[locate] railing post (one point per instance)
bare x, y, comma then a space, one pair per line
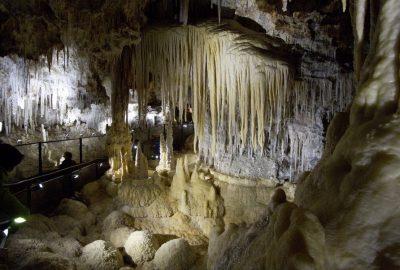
29, 196
40, 158
80, 150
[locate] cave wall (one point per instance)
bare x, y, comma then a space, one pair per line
345, 214
60, 92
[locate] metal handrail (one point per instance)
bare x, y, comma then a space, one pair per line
28, 183
53, 174
61, 140
40, 160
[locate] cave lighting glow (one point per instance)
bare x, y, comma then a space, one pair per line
19, 220
47, 92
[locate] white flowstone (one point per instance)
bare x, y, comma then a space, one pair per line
119, 236
174, 255
100, 255
115, 220
141, 246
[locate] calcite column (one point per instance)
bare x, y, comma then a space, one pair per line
118, 141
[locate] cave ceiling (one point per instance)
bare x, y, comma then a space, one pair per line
101, 28
98, 28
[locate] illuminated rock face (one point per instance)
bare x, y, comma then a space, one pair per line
195, 200
141, 246
348, 215
249, 109
39, 93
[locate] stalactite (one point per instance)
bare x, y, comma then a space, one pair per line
184, 12
358, 11
344, 5
29, 91
248, 96
284, 5
381, 65
219, 11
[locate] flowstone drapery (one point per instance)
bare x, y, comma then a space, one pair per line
346, 211
246, 97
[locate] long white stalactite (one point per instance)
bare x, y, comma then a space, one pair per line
50, 91
247, 95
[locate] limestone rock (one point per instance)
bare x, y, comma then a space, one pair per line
138, 193
115, 220
119, 236
65, 246
174, 255
76, 210
37, 224
141, 246
110, 187
158, 209
47, 261
21, 248
99, 255
91, 191
66, 225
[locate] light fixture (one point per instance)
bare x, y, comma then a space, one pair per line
19, 220
157, 157
81, 135
5, 232
19, 141
75, 176
135, 147
101, 165
41, 185
184, 125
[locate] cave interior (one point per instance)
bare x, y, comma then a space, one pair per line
206, 134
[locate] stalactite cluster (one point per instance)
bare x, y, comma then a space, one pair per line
210, 64
248, 95
51, 91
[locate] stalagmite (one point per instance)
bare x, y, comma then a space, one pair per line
140, 164
167, 162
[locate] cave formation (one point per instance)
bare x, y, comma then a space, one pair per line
239, 134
